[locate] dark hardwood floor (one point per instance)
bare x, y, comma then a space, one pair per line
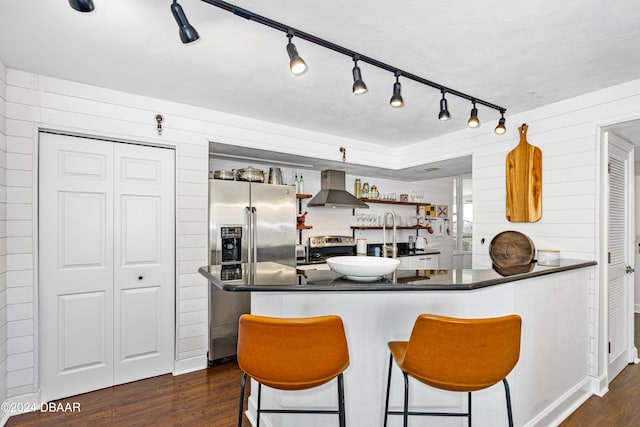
210, 398
204, 398
620, 407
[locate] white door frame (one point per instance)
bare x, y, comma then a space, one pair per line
600, 298
36, 236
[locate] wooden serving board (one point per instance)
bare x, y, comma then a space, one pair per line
524, 181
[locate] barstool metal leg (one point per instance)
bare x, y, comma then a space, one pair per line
259, 404
341, 411
508, 397
469, 405
242, 387
406, 400
386, 404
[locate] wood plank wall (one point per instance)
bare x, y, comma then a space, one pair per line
566, 132
40, 102
3, 235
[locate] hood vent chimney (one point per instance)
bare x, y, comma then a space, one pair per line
333, 194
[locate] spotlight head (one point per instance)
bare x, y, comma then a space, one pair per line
444, 109
296, 63
473, 121
500, 129
188, 34
359, 87
396, 99
82, 5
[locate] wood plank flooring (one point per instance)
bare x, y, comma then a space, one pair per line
204, 398
210, 398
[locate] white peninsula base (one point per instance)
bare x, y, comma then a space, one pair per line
549, 382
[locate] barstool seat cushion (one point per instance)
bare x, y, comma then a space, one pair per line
459, 354
292, 353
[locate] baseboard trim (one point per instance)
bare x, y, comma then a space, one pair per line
564, 406
191, 364
599, 385
19, 405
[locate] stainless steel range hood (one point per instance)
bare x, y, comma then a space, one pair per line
332, 193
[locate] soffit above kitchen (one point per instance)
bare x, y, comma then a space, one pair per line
520, 55
442, 169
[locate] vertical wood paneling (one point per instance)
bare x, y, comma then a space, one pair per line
3, 244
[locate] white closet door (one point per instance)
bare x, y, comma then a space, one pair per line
76, 265
143, 262
106, 298
620, 241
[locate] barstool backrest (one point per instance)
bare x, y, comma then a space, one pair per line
292, 353
462, 354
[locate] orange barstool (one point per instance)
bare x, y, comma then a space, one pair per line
292, 354
457, 355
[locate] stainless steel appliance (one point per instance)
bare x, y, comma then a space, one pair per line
323, 247
249, 222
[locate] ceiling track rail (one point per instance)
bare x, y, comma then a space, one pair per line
287, 29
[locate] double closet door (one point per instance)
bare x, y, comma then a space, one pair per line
106, 263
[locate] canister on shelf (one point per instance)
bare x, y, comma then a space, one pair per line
357, 190
364, 191
374, 192
548, 257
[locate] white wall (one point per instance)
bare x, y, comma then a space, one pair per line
34, 102
566, 132
3, 235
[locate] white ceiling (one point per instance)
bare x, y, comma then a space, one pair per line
515, 54
518, 55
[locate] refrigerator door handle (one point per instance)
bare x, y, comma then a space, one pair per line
253, 248
249, 223
254, 227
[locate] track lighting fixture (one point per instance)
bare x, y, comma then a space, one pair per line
444, 109
188, 34
82, 5
396, 99
473, 121
296, 63
500, 129
358, 84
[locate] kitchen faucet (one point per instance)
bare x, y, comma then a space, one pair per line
385, 250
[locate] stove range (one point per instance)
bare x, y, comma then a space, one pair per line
323, 247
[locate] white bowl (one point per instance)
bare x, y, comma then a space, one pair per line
362, 268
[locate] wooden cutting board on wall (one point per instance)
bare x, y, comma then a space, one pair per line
524, 181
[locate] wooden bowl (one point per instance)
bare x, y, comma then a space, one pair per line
511, 248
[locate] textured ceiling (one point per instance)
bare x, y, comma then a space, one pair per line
519, 55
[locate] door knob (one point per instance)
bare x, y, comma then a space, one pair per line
629, 269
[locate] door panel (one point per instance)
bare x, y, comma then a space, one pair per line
275, 210
141, 223
82, 328
76, 265
82, 229
144, 250
142, 336
107, 294
619, 281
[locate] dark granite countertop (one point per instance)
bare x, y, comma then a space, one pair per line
273, 277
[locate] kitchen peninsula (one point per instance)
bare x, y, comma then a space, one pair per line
550, 380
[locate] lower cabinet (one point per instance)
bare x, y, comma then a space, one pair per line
419, 262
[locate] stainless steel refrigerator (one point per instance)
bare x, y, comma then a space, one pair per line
249, 222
